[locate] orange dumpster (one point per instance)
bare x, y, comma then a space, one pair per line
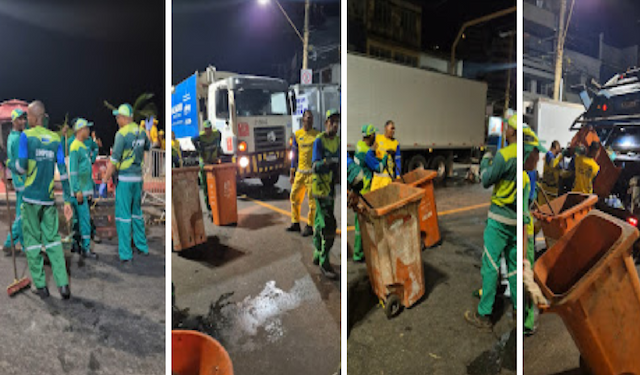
194, 353
221, 184
427, 212
392, 245
187, 223
591, 281
569, 209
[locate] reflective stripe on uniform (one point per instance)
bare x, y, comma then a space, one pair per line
137, 217
64, 177
53, 244
19, 168
34, 247
502, 219
306, 171
123, 220
39, 203
130, 178
493, 263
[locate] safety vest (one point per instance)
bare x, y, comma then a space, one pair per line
359, 158
528, 219
304, 142
209, 145
80, 169
13, 146
503, 200
386, 146
44, 151
323, 179
128, 152
586, 171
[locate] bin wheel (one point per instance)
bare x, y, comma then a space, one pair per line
269, 181
584, 367
392, 306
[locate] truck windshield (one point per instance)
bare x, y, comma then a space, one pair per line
260, 102
625, 139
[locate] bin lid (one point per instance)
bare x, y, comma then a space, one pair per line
418, 176
391, 198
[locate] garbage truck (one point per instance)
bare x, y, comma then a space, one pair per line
252, 114
439, 117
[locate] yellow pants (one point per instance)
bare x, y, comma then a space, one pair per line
302, 186
379, 182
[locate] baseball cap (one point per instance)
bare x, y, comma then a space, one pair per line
368, 130
513, 122
124, 110
81, 123
206, 124
17, 113
332, 112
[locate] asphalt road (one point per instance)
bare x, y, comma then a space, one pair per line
254, 288
432, 337
114, 322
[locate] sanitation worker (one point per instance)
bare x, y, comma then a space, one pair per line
80, 178
39, 152
326, 172
128, 153
176, 152
19, 120
207, 143
387, 146
586, 169
300, 174
551, 173
500, 233
360, 158
532, 151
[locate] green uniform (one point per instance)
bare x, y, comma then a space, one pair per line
40, 151
529, 308
326, 171
500, 233
93, 149
13, 144
81, 181
359, 158
207, 147
128, 154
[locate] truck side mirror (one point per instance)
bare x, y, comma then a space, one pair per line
293, 101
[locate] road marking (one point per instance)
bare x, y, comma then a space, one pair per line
276, 209
448, 212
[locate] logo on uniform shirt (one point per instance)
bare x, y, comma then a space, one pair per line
137, 143
44, 154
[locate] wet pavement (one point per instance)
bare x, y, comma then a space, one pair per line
254, 288
114, 322
432, 337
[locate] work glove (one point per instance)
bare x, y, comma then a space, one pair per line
103, 189
531, 287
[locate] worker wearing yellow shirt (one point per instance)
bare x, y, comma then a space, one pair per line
301, 172
387, 145
586, 169
551, 173
161, 139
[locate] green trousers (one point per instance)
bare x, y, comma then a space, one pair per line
129, 219
82, 224
324, 229
499, 240
203, 186
529, 308
358, 252
40, 229
16, 227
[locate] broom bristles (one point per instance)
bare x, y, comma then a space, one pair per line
17, 286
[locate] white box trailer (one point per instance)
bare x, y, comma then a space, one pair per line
551, 121
438, 116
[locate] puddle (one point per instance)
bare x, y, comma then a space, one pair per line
243, 325
502, 355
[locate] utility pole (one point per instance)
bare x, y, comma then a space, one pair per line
305, 42
560, 50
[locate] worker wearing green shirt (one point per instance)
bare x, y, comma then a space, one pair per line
360, 158
326, 171
80, 178
207, 143
500, 232
39, 153
19, 120
127, 157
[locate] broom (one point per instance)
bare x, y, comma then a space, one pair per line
18, 284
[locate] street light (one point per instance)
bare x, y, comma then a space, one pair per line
304, 39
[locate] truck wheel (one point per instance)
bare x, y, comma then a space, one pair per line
439, 164
416, 162
269, 181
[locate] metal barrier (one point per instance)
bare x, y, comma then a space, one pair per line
154, 164
153, 172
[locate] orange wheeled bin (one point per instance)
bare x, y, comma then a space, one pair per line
427, 212
392, 245
568, 210
221, 185
187, 223
194, 353
590, 279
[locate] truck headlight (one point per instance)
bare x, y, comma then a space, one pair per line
244, 162
290, 155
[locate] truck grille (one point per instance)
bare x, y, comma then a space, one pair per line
270, 139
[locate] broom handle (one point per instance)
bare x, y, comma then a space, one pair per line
546, 198
13, 248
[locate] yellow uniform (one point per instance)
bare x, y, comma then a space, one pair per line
153, 135
386, 146
586, 171
301, 162
551, 174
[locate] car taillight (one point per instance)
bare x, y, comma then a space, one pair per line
242, 146
604, 107
633, 221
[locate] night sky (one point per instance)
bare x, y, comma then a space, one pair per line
72, 55
239, 35
618, 19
